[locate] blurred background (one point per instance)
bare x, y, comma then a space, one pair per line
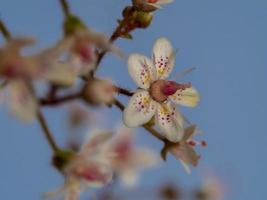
225, 40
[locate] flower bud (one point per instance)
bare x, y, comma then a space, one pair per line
143, 5
62, 158
127, 11
143, 19
72, 24
98, 92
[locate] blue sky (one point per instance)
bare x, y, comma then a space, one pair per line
225, 40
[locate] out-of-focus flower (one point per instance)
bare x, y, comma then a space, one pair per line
85, 47
150, 5
78, 116
89, 168
170, 192
157, 95
99, 92
20, 70
184, 150
128, 159
211, 189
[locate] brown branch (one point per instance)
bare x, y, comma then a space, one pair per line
124, 91
58, 100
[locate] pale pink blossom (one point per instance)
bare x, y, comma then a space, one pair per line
85, 46
157, 97
129, 159
89, 168
20, 71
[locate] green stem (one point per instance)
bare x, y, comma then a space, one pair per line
65, 7
4, 30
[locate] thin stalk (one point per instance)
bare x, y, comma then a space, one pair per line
46, 131
65, 7
4, 30
57, 100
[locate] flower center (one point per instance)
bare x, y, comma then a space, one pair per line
161, 89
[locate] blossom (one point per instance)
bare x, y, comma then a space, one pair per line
20, 71
211, 189
157, 97
150, 5
128, 160
85, 45
89, 168
184, 150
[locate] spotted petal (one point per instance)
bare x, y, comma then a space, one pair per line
140, 109
21, 102
141, 70
163, 57
187, 97
170, 122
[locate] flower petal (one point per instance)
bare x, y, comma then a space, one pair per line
129, 177
60, 73
96, 174
163, 57
95, 139
170, 122
21, 102
189, 132
185, 153
141, 70
186, 97
140, 109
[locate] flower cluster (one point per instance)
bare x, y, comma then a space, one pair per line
71, 65
99, 158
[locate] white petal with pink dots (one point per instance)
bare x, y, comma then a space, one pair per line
186, 97
141, 70
170, 122
140, 109
163, 58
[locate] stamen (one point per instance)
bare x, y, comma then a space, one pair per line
193, 143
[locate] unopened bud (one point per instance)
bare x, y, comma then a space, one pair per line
143, 19
127, 11
98, 92
72, 24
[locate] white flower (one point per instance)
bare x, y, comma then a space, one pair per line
20, 70
156, 96
89, 168
128, 159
